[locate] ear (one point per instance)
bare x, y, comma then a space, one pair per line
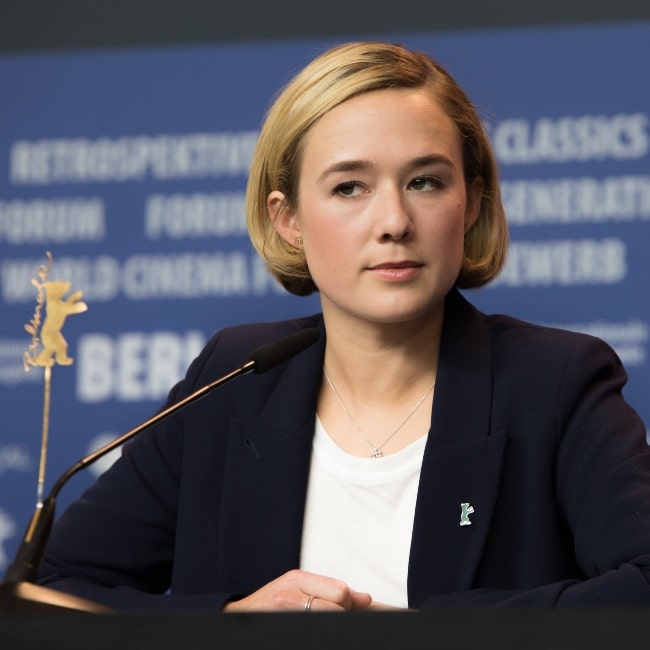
283, 218
474, 200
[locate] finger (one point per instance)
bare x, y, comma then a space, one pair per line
320, 605
360, 600
325, 588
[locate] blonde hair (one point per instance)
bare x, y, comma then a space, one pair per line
332, 78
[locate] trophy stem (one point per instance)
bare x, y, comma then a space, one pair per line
45, 434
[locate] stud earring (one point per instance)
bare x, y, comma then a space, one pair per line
299, 242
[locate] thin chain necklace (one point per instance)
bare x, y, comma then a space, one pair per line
375, 452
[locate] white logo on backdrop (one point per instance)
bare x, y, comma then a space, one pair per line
7, 531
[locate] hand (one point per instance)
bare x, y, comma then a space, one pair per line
291, 592
383, 607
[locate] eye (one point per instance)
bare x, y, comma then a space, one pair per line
348, 189
425, 183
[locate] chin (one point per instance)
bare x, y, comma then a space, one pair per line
404, 316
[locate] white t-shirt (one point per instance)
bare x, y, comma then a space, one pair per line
359, 517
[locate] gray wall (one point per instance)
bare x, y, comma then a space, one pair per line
27, 25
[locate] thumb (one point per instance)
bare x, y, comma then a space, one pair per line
359, 599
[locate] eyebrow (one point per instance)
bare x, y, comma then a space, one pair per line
356, 165
345, 166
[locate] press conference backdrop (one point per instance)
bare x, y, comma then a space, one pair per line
130, 166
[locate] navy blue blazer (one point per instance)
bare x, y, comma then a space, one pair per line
528, 426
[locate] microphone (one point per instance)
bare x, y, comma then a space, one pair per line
262, 359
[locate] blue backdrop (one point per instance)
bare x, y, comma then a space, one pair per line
130, 166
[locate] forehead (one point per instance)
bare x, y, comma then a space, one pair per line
392, 121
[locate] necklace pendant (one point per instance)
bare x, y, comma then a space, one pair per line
375, 453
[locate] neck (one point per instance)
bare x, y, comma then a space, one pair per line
382, 360
379, 392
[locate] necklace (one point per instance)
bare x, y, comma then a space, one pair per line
375, 452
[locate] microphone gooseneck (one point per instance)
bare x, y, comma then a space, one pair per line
262, 359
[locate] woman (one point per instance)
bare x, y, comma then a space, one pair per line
422, 453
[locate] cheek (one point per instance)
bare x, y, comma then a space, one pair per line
327, 230
319, 241
332, 250
447, 225
326, 251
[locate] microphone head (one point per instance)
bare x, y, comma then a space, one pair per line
270, 355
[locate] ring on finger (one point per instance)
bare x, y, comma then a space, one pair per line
308, 603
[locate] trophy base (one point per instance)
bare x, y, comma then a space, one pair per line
28, 597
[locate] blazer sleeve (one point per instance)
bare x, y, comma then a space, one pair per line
602, 490
115, 544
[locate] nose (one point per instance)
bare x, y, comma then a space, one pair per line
394, 221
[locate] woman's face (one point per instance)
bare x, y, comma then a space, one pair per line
382, 207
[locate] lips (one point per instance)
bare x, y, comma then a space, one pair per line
399, 271
405, 264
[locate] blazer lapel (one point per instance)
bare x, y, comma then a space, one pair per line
266, 477
462, 462
269, 457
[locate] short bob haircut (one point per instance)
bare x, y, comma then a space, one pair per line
332, 78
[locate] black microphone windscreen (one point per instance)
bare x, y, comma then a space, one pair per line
272, 354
